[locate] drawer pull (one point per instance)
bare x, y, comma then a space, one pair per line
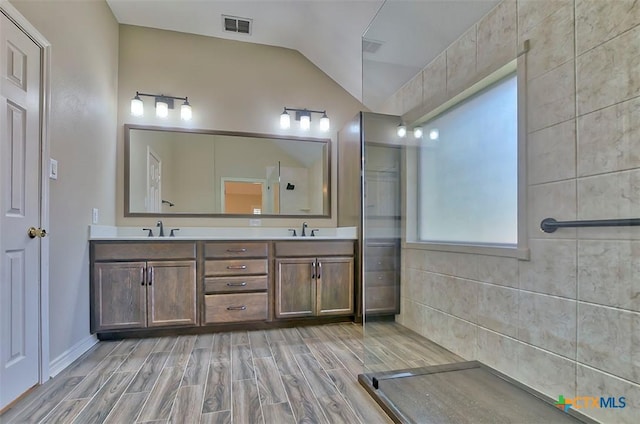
241, 250
244, 283
236, 308
236, 267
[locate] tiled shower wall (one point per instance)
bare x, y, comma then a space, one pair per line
567, 321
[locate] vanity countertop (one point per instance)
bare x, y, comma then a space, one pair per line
105, 232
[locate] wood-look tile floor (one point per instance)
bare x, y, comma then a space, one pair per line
291, 375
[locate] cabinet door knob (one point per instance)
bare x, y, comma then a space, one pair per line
319, 274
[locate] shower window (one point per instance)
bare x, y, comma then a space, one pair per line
467, 190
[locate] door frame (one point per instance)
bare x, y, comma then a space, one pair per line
45, 107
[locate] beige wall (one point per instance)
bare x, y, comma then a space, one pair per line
567, 321
84, 76
232, 86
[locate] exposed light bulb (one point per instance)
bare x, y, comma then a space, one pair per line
185, 111
162, 109
325, 124
417, 132
401, 131
137, 107
285, 120
434, 134
305, 122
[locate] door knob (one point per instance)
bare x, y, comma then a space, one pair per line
34, 232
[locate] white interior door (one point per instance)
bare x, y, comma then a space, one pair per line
19, 209
154, 181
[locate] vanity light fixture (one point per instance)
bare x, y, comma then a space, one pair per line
401, 130
434, 134
304, 116
163, 104
417, 132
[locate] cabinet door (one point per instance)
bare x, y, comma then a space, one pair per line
335, 286
171, 293
295, 287
119, 295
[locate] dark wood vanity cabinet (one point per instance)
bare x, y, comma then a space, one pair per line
142, 285
314, 278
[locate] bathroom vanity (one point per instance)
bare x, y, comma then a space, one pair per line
140, 285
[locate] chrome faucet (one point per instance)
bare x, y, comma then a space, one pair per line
159, 224
304, 226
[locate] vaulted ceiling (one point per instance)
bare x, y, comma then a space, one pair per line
327, 32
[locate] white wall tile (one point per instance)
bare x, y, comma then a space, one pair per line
552, 200
591, 382
552, 268
497, 37
609, 74
609, 196
546, 372
548, 322
498, 351
533, 12
498, 309
461, 62
608, 273
434, 80
551, 153
608, 340
608, 139
411, 94
497, 270
598, 21
551, 41
550, 97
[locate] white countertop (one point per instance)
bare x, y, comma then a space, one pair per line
105, 232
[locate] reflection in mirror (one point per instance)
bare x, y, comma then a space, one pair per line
184, 172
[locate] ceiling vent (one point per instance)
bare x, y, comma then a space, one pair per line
236, 24
371, 46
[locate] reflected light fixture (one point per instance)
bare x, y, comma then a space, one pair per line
304, 116
401, 130
417, 132
285, 120
163, 103
434, 134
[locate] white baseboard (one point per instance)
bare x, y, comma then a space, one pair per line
74, 352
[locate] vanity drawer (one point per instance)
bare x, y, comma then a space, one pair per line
220, 308
152, 250
314, 248
236, 267
379, 278
235, 284
379, 263
236, 250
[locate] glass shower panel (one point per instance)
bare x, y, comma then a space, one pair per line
381, 218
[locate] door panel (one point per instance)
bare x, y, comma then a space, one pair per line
295, 287
335, 286
171, 293
120, 295
19, 210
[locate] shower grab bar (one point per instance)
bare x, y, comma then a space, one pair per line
550, 225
